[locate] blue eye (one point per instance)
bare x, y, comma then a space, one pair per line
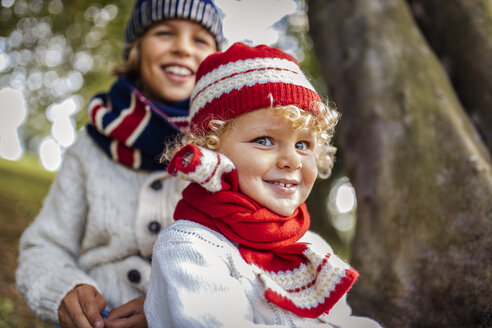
264, 141
302, 145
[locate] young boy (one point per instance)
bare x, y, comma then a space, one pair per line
240, 253
89, 248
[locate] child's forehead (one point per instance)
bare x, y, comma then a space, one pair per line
263, 117
268, 120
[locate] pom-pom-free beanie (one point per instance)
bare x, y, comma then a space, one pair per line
148, 12
244, 79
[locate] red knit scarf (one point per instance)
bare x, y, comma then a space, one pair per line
294, 276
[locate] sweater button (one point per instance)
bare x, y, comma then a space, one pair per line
156, 185
154, 227
134, 276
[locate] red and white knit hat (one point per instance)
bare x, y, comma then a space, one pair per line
244, 79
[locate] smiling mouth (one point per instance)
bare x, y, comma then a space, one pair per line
178, 70
281, 184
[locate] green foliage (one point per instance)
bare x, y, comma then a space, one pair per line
56, 49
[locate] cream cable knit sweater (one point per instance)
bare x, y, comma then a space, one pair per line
199, 279
97, 226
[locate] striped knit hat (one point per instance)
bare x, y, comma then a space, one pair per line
148, 12
244, 79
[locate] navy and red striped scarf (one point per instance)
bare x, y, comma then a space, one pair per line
132, 129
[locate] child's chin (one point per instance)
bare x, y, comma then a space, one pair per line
284, 212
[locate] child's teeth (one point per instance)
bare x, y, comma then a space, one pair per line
286, 185
178, 70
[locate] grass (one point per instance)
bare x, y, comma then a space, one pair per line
23, 186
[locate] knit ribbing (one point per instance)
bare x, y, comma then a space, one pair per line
243, 79
148, 12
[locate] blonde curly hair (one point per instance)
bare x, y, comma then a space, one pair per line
321, 124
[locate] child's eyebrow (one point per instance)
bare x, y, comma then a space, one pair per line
307, 132
265, 131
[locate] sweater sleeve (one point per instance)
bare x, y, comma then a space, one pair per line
49, 247
191, 285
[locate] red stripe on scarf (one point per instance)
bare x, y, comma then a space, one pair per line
130, 122
93, 112
125, 154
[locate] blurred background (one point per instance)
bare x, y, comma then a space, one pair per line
55, 55
412, 79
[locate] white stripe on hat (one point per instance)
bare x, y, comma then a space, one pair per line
240, 66
159, 9
207, 15
179, 12
154, 10
241, 80
186, 8
199, 14
166, 8
215, 24
194, 9
236, 75
173, 8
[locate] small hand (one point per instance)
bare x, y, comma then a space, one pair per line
129, 315
81, 308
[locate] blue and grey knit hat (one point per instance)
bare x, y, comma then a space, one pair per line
148, 12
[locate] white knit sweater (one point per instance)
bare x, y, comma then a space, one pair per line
199, 279
97, 226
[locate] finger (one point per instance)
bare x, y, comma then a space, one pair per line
123, 311
92, 304
64, 319
76, 316
128, 309
70, 313
135, 321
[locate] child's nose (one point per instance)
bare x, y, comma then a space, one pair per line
289, 159
182, 45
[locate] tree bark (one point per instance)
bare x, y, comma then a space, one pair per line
460, 32
422, 174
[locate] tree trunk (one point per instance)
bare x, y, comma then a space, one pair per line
422, 174
460, 32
